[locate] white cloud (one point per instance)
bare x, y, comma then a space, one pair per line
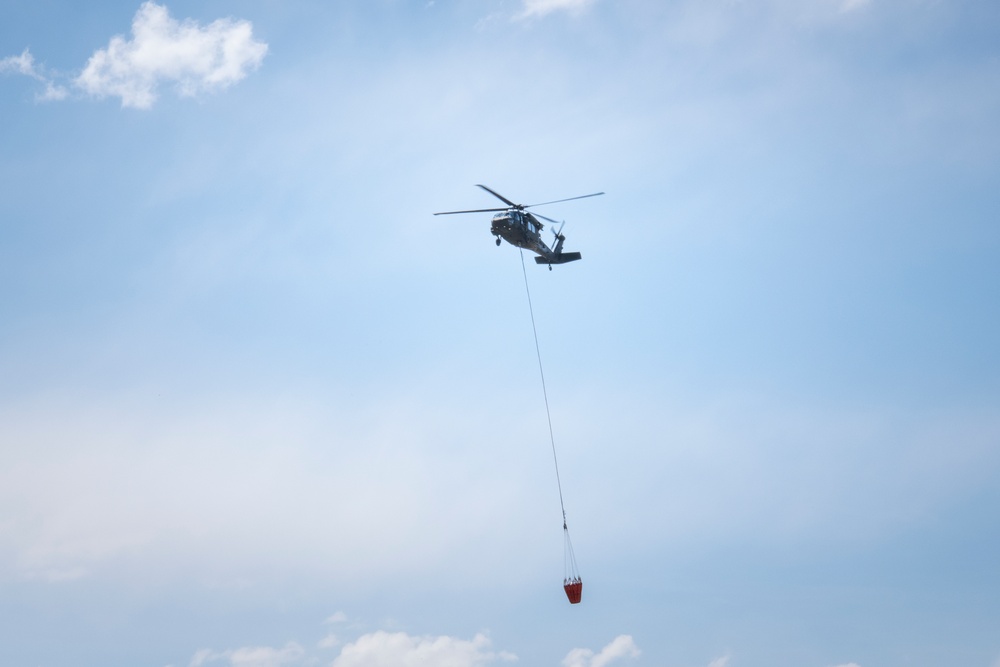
543, 7
251, 656
25, 64
719, 662
621, 646
194, 58
398, 649
850, 664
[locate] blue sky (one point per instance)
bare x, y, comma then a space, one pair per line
258, 407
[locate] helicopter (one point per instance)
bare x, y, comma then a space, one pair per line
523, 229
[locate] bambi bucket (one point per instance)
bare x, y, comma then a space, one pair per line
574, 590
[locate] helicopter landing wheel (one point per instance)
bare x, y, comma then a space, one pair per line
498, 240
550, 267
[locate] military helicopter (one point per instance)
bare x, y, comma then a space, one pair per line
523, 229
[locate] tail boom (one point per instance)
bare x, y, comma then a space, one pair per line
560, 258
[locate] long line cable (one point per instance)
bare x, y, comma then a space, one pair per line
545, 395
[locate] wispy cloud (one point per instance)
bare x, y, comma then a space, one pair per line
539, 8
335, 618
22, 64
720, 662
331, 640
851, 5
25, 64
194, 58
621, 646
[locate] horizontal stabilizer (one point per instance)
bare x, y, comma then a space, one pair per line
561, 258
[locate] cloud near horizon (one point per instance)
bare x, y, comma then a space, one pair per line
388, 649
622, 646
375, 649
381, 648
252, 656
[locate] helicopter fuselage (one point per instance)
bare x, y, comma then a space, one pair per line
519, 229
523, 230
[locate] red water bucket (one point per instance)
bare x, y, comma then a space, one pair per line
574, 589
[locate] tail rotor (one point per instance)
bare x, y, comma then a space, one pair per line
559, 238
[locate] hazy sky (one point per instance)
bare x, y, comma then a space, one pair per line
260, 408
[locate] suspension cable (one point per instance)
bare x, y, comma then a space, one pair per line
545, 395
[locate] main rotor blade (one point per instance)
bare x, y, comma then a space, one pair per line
539, 215
499, 196
560, 200
478, 210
